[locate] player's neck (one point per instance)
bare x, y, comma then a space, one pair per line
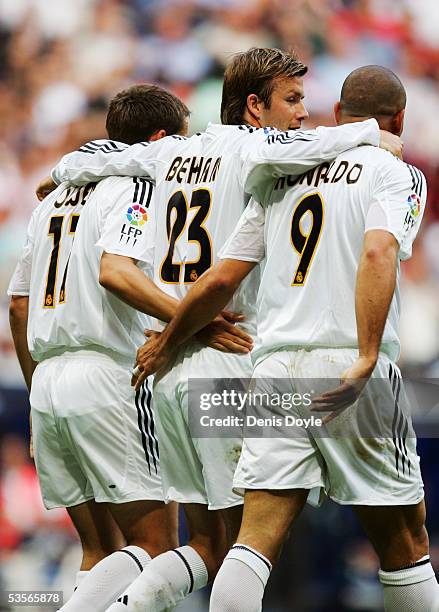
248, 119
347, 119
383, 123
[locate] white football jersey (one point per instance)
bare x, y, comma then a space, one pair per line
309, 234
201, 185
60, 262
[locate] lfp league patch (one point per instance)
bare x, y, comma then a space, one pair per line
414, 203
136, 215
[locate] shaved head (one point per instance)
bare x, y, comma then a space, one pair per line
372, 91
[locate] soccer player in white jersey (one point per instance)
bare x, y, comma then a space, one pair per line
201, 184
331, 242
94, 441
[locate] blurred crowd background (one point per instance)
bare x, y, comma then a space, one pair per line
60, 63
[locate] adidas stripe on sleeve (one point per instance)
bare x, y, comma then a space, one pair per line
129, 226
398, 204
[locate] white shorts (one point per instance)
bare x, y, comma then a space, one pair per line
93, 435
348, 467
196, 470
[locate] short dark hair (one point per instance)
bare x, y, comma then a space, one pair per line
372, 91
254, 72
136, 113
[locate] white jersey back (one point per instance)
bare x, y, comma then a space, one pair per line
201, 185
311, 231
59, 268
202, 198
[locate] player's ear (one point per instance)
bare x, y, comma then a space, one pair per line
398, 122
255, 108
157, 135
337, 113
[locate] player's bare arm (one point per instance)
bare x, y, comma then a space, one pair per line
202, 304
299, 152
120, 275
375, 286
18, 313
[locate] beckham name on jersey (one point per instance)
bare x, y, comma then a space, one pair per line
325, 173
194, 169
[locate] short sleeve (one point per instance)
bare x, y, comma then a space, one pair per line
20, 281
398, 204
129, 227
247, 241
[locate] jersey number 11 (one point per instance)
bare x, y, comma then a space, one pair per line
55, 230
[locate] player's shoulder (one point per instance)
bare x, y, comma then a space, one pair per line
112, 189
386, 166
110, 183
104, 145
51, 205
53, 199
396, 172
417, 178
113, 184
374, 157
237, 136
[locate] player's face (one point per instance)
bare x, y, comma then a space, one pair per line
287, 110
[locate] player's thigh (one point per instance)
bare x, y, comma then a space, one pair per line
62, 480
397, 533
111, 429
181, 470
267, 518
369, 448
219, 456
152, 525
287, 461
97, 529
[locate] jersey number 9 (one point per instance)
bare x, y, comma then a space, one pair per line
305, 244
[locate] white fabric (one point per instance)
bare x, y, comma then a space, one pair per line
107, 580
255, 150
340, 461
168, 579
410, 590
410, 575
196, 470
84, 314
80, 575
93, 435
201, 181
252, 557
240, 583
362, 190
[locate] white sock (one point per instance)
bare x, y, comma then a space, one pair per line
414, 589
168, 579
80, 577
107, 580
240, 582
